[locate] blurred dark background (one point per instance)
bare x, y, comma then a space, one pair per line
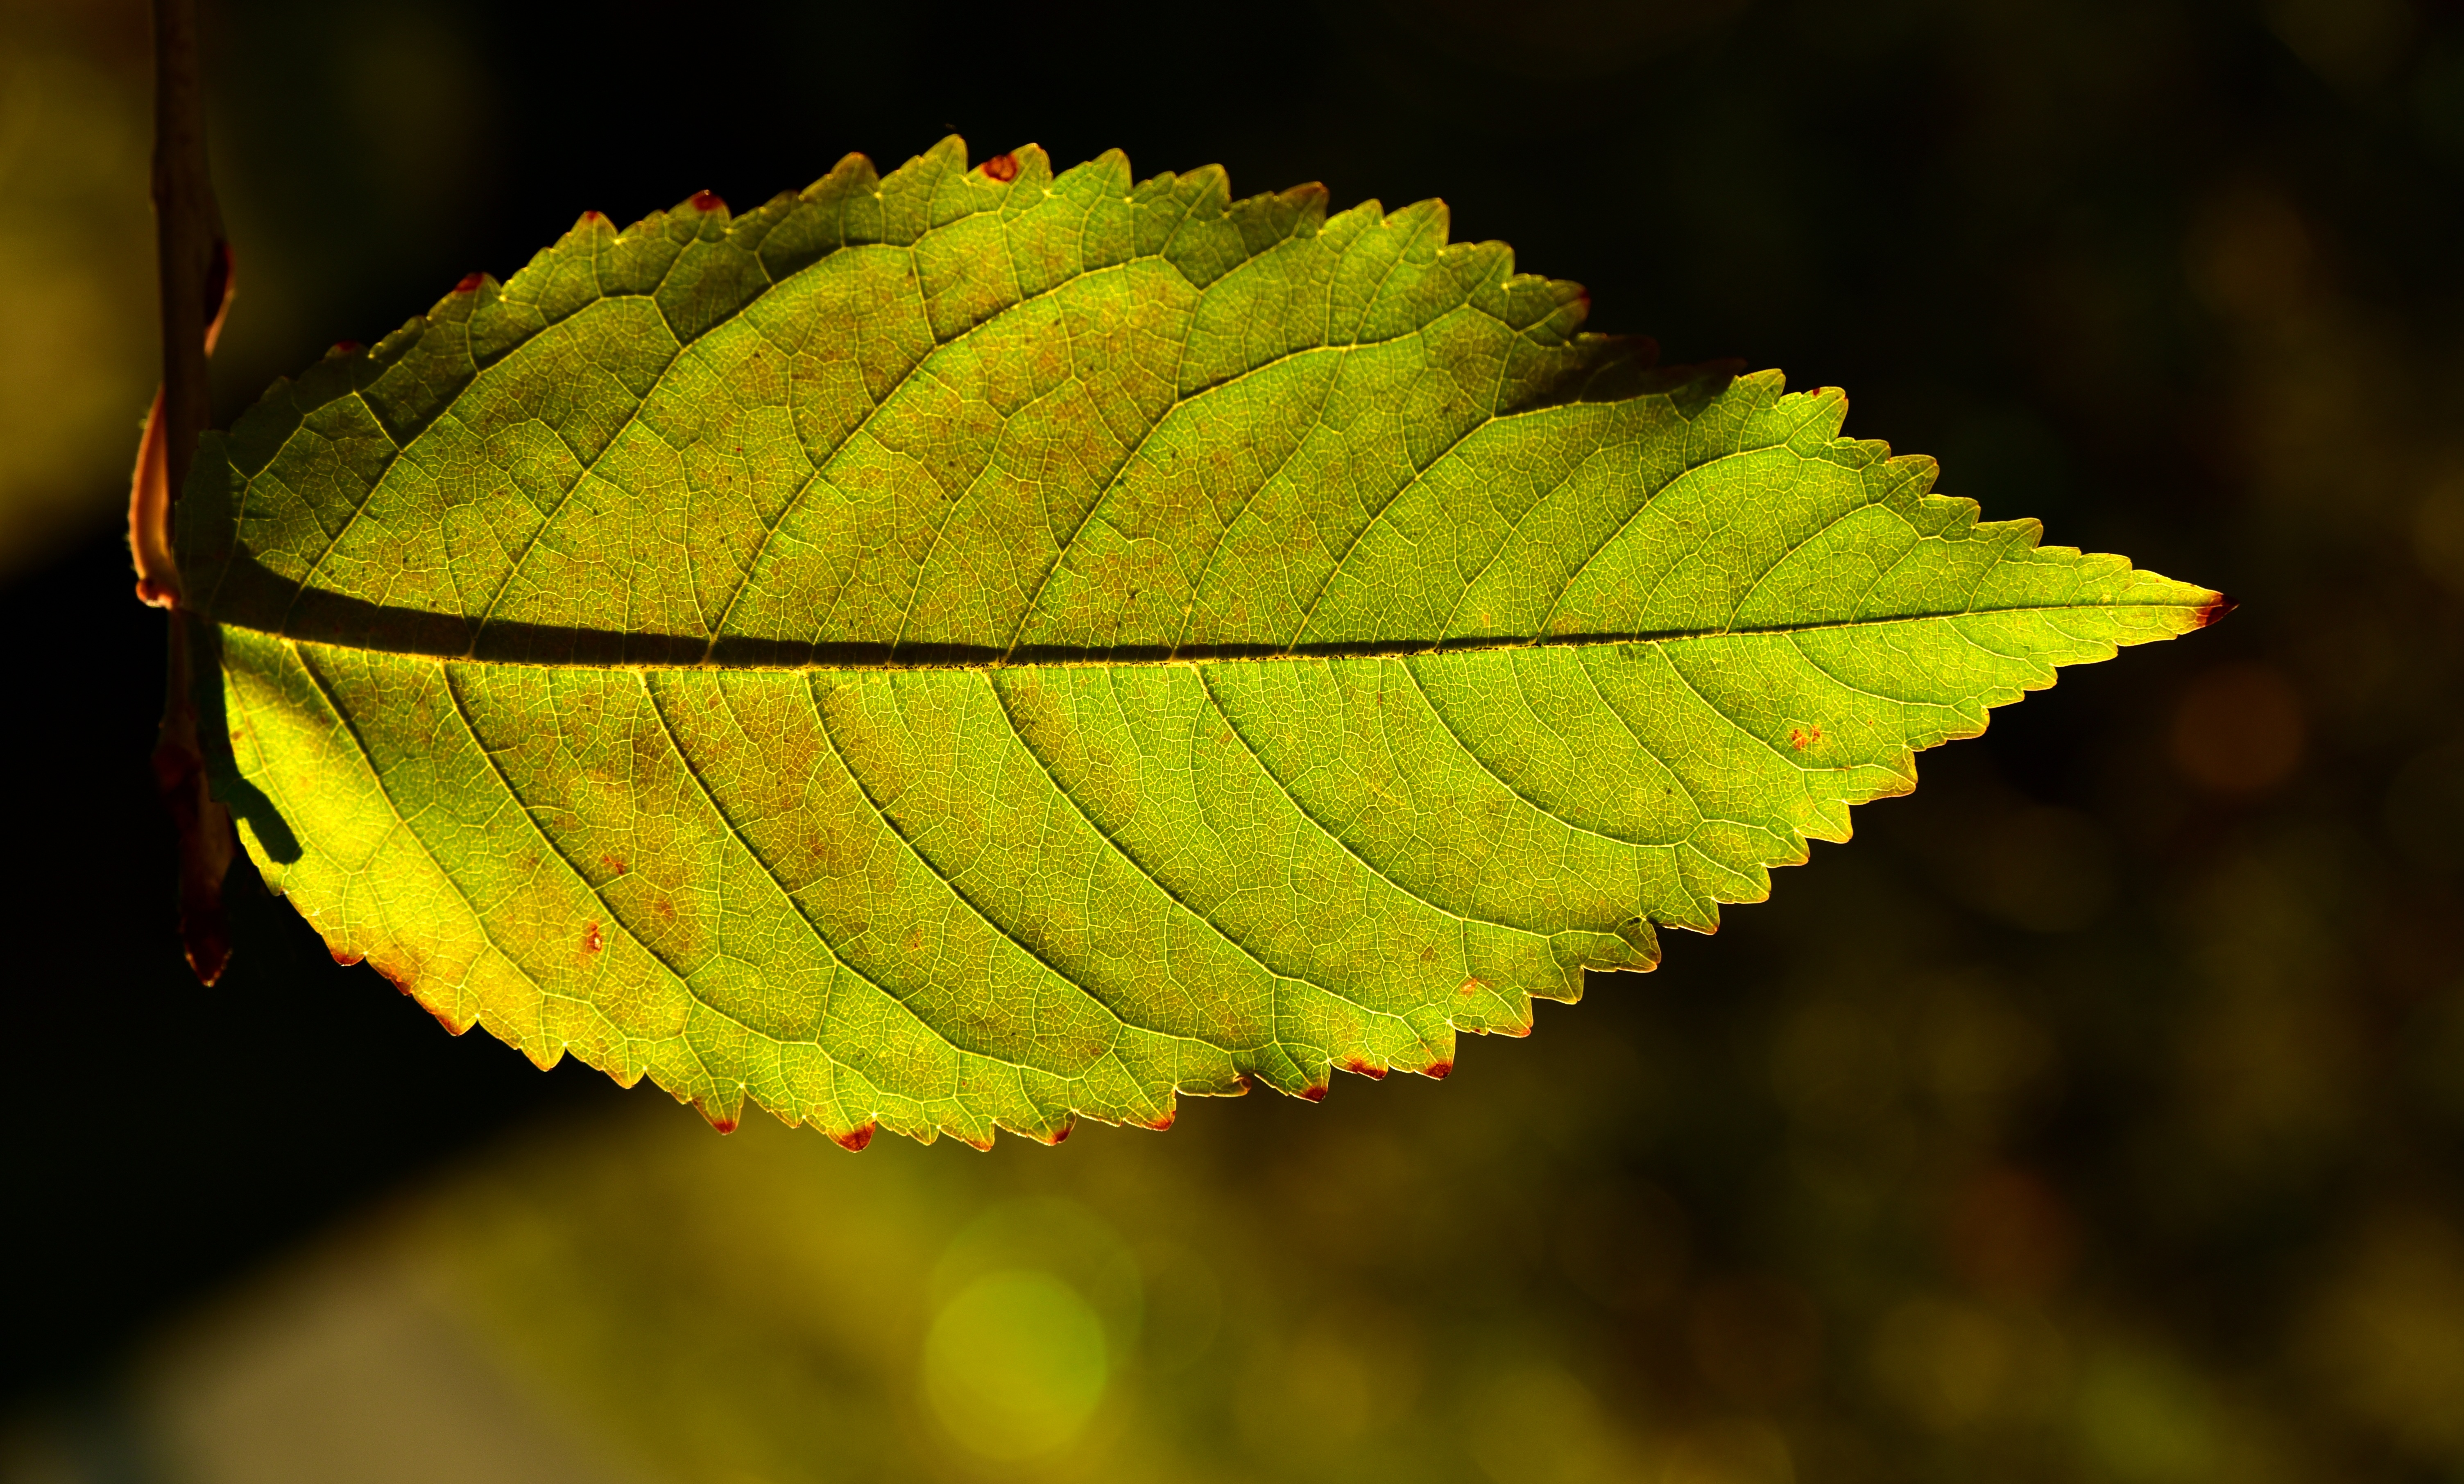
2098, 1113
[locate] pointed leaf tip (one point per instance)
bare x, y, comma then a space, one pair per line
470, 283
1000, 168
854, 1139
2214, 608
706, 201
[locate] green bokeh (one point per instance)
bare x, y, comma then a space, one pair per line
1015, 1363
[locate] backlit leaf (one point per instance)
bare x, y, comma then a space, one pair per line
971, 648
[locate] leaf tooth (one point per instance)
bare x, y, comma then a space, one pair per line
1112, 167
1212, 184
723, 1112
949, 154
855, 1138
854, 174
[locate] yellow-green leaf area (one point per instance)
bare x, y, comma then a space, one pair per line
976, 648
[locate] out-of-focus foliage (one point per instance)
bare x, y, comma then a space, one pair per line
78, 328
77, 284
1408, 1295
2097, 1117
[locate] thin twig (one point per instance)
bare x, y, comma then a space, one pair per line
195, 277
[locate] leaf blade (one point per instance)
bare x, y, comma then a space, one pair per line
946, 686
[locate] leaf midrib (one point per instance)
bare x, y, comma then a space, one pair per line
995, 657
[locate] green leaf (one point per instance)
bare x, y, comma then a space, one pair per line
969, 649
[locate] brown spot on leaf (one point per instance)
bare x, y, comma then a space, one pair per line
346, 957
1438, 1070
1313, 1094
1002, 168
854, 1139
593, 217
615, 864
1429, 952
345, 348
590, 939
725, 1126
470, 283
1471, 986
708, 200
2212, 609
1375, 1074
1162, 1121
1805, 738
1061, 1133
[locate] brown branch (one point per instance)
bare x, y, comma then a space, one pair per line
193, 275
194, 265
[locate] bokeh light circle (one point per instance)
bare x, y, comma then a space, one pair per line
1015, 1363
